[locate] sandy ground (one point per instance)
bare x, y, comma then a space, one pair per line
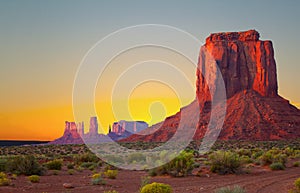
261, 180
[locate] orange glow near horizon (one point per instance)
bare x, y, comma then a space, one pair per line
35, 124
43, 45
144, 99
138, 107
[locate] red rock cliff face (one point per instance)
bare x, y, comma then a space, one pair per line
246, 63
254, 111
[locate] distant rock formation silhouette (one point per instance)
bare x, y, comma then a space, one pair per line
74, 133
123, 129
130, 126
255, 111
71, 134
93, 126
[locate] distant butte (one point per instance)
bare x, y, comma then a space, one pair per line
75, 133
255, 111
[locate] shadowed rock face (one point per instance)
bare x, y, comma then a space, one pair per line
255, 111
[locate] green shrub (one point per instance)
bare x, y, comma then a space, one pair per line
55, 172
289, 151
180, 166
244, 152
296, 189
235, 189
79, 168
92, 167
296, 164
111, 174
99, 163
71, 171
257, 154
3, 163
97, 179
224, 162
153, 172
273, 156
34, 178
297, 184
144, 181
157, 188
54, 164
111, 191
136, 157
89, 165
277, 166
97, 175
297, 153
4, 181
266, 158
114, 159
70, 166
14, 176
282, 158
246, 160
87, 157
24, 165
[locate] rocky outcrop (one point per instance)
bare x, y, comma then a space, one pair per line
250, 35
74, 133
123, 129
246, 63
93, 126
118, 136
93, 136
70, 136
250, 116
255, 111
131, 126
80, 128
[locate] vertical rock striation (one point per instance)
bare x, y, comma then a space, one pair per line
246, 63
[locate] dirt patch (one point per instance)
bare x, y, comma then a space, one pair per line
129, 182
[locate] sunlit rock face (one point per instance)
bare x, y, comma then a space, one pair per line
246, 63
255, 111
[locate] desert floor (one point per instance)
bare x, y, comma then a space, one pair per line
261, 180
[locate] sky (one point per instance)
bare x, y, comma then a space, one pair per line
43, 42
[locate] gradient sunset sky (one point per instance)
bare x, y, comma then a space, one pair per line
43, 42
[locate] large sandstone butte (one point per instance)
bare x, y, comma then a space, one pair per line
255, 111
